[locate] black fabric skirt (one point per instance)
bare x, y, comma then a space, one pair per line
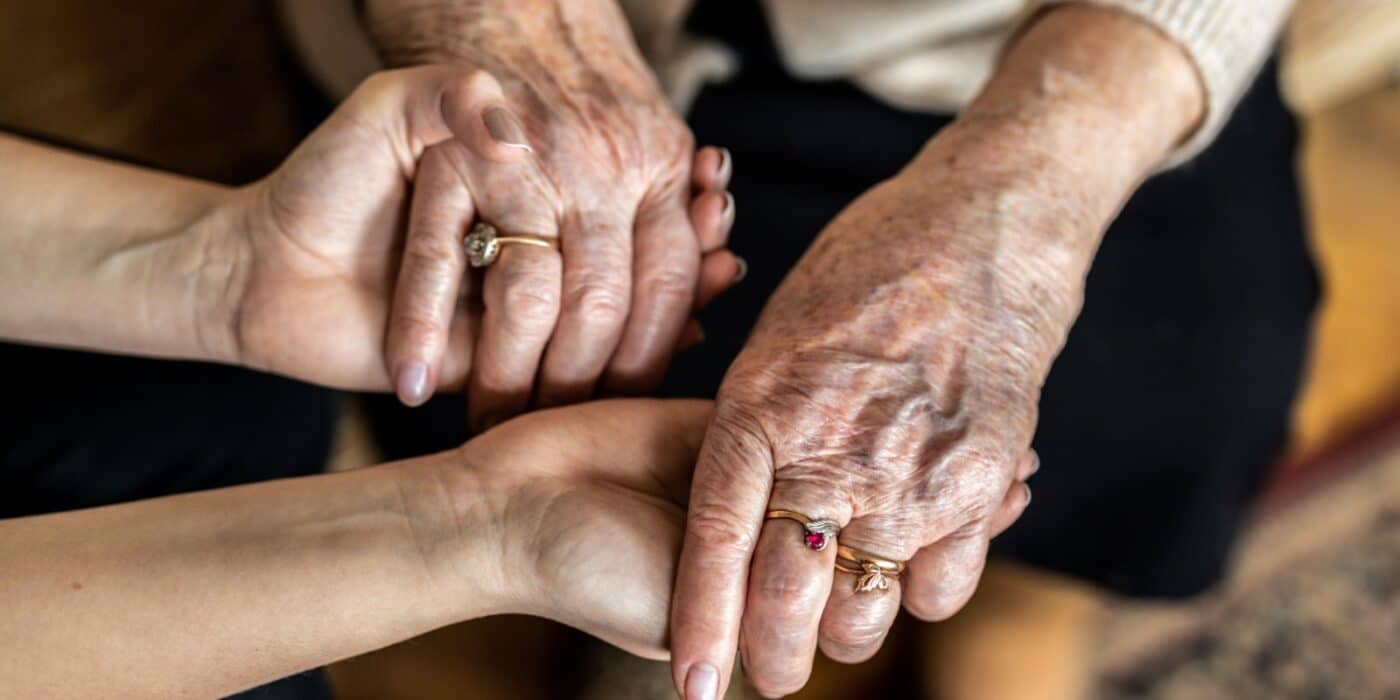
1172, 397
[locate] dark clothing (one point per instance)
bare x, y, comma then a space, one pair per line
1171, 399
1157, 424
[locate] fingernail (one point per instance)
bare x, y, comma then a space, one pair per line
728, 205
741, 269
701, 683
1028, 494
726, 163
505, 128
1035, 464
411, 384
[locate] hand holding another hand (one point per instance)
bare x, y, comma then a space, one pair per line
347, 264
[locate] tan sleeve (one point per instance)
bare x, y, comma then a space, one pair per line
1227, 39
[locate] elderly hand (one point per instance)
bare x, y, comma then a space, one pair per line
608, 175
891, 387
327, 256
891, 384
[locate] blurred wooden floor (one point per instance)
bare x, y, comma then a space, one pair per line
206, 89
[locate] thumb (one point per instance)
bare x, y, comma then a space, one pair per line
733, 479
478, 114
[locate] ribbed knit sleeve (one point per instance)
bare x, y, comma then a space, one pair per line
1228, 40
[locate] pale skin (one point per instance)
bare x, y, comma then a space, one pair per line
205, 594
891, 384
611, 180
210, 593
304, 273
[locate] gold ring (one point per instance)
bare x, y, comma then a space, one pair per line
484, 244
873, 573
818, 533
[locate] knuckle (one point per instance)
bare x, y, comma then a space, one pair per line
531, 300
599, 302
788, 585
413, 327
670, 285
718, 529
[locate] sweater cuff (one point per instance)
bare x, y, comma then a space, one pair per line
1228, 40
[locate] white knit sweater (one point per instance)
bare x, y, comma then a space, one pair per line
933, 55
926, 55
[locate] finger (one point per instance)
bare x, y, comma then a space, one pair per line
1028, 466
732, 480
712, 214
712, 169
942, 576
597, 299
1012, 506
856, 622
430, 276
666, 269
521, 294
789, 583
719, 271
477, 112
692, 335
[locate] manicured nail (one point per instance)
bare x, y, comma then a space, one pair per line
505, 128
411, 384
702, 683
741, 269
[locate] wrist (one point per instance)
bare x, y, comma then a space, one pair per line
459, 513
1092, 94
217, 247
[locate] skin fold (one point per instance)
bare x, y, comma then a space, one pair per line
309, 272
610, 179
891, 383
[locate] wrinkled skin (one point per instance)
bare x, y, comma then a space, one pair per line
610, 178
316, 260
895, 394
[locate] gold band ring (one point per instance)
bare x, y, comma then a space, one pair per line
484, 244
873, 573
817, 533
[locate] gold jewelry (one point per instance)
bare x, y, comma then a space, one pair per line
818, 533
484, 244
873, 572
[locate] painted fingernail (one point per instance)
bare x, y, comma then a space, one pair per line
411, 383
701, 683
741, 269
505, 128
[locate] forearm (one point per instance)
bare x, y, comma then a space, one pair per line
110, 257
560, 39
1083, 107
209, 593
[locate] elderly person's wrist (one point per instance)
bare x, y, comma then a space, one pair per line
482, 32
